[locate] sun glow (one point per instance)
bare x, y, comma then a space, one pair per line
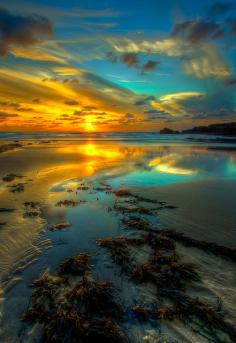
89, 127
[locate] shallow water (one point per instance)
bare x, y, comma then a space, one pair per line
52, 172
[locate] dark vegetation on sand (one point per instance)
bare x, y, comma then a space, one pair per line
9, 147
31, 209
83, 312
10, 177
72, 306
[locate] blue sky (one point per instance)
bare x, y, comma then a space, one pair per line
116, 65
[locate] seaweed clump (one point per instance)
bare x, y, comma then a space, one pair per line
17, 188
10, 146
68, 203
208, 246
77, 265
83, 188
68, 313
146, 314
136, 223
32, 209
95, 297
59, 226
188, 308
6, 209
122, 193
47, 279
119, 249
10, 177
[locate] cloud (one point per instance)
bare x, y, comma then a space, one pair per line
230, 82
197, 30
8, 115
112, 57
130, 59
153, 115
71, 102
232, 22
218, 103
207, 64
149, 66
67, 71
166, 47
173, 104
219, 8
4, 116
36, 101
170, 98
129, 115
145, 101
22, 30
35, 53
201, 60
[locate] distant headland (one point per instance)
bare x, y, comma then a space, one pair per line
223, 129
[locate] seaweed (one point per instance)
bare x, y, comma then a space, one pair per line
97, 297
151, 201
18, 187
155, 313
70, 327
85, 313
5, 209
103, 189
69, 203
59, 226
10, 146
143, 225
136, 223
159, 241
141, 313
122, 193
77, 265
31, 204
207, 246
31, 214
170, 276
118, 248
10, 177
126, 193
47, 280
138, 210
82, 188
162, 259
187, 307
31, 209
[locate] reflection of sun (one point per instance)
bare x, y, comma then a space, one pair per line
94, 150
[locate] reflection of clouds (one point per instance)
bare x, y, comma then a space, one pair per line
165, 168
168, 164
182, 160
194, 162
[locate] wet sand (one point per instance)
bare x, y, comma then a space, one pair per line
205, 209
56, 171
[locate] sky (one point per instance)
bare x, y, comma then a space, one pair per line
109, 65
